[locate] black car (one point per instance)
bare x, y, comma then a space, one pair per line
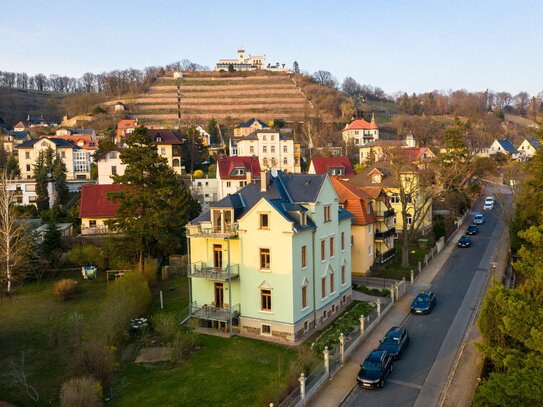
472, 230
395, 341
464, 241
375, 369
423, 303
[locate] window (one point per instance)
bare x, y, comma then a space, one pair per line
303, 219
304, 256
272, 149
285, 161
264, 221
239, 171
285, 149
264, 137
27, 154
273, 162
242, 184
28, 167
342, 241
369, 209
163, 150
113, 155
265, 161
252, 149
409, 219
370, 252
304, 296
272, 137
323, 287
332, 242
113, 169
266, 329
394, 220
265, 300
332, 283
327, 213
228, 184
264, 259
395, 199
306, 325
63, 154
92, 223
369, 229
323, 250
343, 276
264, 149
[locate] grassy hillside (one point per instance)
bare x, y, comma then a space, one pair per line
16, 104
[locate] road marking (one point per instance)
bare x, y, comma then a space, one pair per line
406, 384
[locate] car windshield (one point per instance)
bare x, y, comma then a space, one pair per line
371, 365
389, 340
421, 298
479, 217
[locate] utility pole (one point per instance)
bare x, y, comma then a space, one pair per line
179, 76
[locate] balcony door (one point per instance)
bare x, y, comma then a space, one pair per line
217, 256
219, 295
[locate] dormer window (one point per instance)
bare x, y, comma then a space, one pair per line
158, 139
376, 178
303, 219
239, 171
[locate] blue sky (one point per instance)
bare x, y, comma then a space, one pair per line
409, 45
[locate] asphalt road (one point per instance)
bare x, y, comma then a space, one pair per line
419, 376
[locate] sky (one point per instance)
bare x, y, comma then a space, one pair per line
398, 45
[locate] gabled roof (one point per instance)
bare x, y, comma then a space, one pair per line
507, 146
322, 165
285, 192
113, 148
361, 124
416, 153
254, 134
169, 137
383, 167
94, 202
21, 124
250, 122
384, 143
20, 135
227, 166
86, 141
59, 142
128, 123
534, 141
354, 200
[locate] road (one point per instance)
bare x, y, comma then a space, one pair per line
417, 379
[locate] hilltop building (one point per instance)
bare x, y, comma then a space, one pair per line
273, 260
241, 63
529, 147
360, 132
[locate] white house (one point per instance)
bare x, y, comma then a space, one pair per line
360, 132
529, 147
109, 163
233, 173
504, 146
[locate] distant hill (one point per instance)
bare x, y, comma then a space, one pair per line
17, 104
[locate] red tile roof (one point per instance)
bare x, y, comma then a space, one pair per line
94, 203
321, 165
354, 200
82, 141
361, 124
228, 164
127, 124
416, 153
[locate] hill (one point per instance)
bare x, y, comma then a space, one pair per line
221, 95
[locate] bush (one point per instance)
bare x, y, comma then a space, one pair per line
383, 292
166, 325
81, 392
66, 289
183, 343
198, 174
95, 359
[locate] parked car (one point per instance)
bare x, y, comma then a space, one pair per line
472, 229
489, 203
464, 241
479, 219
424, 302
375, 369
395, 341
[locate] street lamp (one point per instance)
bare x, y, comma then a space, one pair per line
179, 76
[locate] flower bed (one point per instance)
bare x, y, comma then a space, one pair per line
345, 324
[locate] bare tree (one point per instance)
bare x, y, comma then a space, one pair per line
325, 78
87, 82
14, 237
18, 377
40, 81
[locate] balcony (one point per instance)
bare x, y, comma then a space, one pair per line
202, 270
380, 236
384, 257
389, 213
216, 231
213, 313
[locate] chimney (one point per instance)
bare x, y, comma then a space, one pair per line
263, 181
249, 177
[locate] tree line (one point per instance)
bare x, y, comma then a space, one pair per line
112, 83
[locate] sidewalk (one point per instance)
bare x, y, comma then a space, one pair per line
337, 389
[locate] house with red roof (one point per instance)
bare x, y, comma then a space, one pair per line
372, 232
360, 132
125, 127
335, 166
95, 209
233, 173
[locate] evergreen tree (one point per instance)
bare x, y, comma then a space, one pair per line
52, 245
12, 167
154, 206
58, 175
213, 131
40, 175
296, 67
193, 150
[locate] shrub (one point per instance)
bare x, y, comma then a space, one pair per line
166, 325
183, 343
66, 289
198, 174
95, 359
379, 292
81, 392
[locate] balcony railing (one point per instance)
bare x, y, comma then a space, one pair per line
386, 234
216, 231
385, 256
202, 270
213, 313
389, 213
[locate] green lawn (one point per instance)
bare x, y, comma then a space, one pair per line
394, 269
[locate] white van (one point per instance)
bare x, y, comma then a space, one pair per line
489, 203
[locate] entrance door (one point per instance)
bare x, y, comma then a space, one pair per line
217, 256
219, 295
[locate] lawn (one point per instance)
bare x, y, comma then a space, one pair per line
394, 270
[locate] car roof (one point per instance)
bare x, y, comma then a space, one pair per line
376, 354
473, 225
479, 215
394, 332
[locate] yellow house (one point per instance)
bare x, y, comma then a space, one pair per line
395, 183
272, 260
95, 209
168, 144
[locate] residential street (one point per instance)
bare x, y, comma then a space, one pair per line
418, 378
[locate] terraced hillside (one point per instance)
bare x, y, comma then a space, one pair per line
221, 95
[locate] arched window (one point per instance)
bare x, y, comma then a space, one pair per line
409, 219
176, 162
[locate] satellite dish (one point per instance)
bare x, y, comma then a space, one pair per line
274, 172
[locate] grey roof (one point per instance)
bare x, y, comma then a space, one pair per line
508, 146
87, 132
19, 134
249, 123
285, 192
253, 135
534, 141
59, 142
345, 214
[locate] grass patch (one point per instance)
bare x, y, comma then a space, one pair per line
384, 292
394, 269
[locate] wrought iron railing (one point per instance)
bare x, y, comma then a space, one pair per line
385, 256
202, 270
214, 313
217, 231
383, 235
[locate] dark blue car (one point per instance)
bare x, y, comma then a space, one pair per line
423, 303
472, 230
375, 369
464, 241
395, 341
